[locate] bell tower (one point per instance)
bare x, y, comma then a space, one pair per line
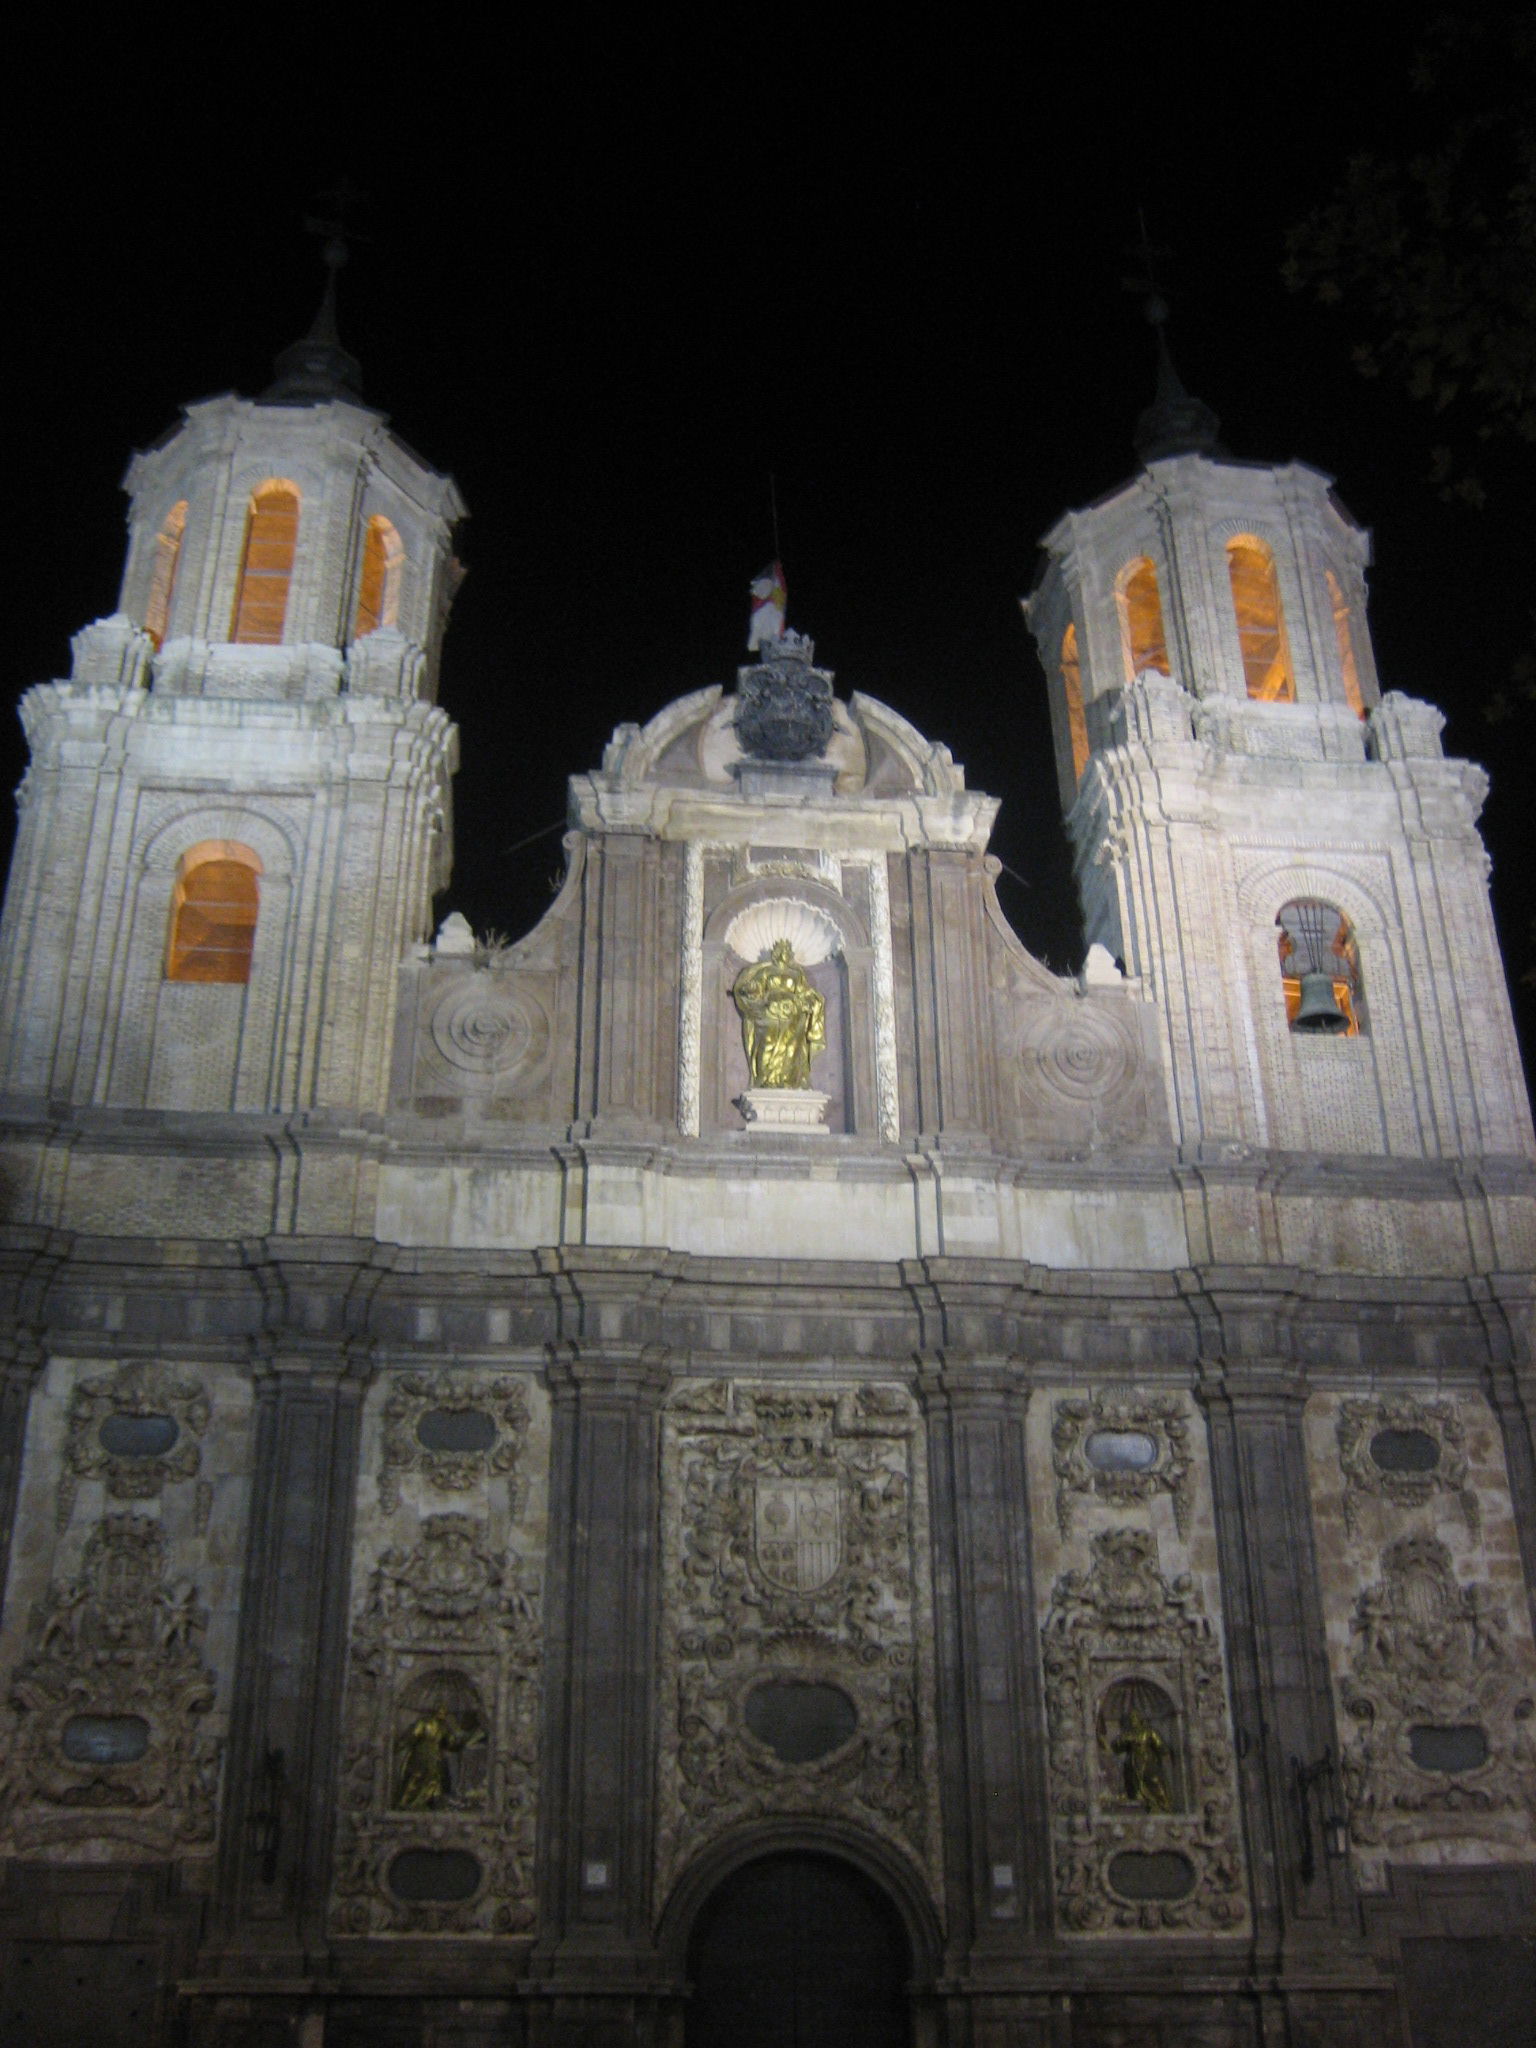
237, 808
1282, 856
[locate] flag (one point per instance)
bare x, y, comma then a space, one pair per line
768, 604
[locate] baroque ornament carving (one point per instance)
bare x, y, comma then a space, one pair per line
440, 1737
1122, 1449
1144, 1831
499, 1403
1442, 1739
1433, 1429
172, 1415
792, 1674
108, 1731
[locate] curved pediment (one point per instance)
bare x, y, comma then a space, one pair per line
692, 743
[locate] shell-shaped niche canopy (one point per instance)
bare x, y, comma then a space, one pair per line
812, 935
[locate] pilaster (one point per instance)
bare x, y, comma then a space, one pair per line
596, 1851
991, 1729
281, 1770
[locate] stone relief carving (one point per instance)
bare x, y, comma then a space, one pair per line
1440, 1467
1144, 1829
500, 1402
171, 1417
1070, 1048
440, 1737
108, 1736
796, 1601
475, 1032
1145, 1451
1442, 1739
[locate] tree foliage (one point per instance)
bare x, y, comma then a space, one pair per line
1433, 253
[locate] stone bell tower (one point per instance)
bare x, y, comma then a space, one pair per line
237, 808
1280, 854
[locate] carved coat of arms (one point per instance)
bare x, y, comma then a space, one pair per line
799, 1533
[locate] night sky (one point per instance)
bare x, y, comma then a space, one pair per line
614, 275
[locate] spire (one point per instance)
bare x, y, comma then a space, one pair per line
310, 371
1174, 423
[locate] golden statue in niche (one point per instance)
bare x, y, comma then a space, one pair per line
1145, 1763
783, 1019
424, 1778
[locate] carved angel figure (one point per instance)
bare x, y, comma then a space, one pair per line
783, 1019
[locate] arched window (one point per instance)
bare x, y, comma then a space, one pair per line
1072, 689
1319, 968
378, 589
162, 578
1344, 633
1260, 622
266, 566
1141, 619
213, 913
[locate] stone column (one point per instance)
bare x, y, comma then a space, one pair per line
28, 1268
1276, 1647
991, 1734
955, 1089
280, 1778
624, 1036
22, 1360
1505, 1303
591, 1974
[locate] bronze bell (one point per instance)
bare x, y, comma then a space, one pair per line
1318, 1009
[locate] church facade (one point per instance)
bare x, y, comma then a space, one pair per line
754, 1464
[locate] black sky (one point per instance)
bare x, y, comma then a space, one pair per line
618, 271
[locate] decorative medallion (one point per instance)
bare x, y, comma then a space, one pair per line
136, 1429
492, 1417
109, 1736
1144, 1830
1122, 1449
1072, 1048
1441, 1741
436, 1834
793, 1670
1406, 1452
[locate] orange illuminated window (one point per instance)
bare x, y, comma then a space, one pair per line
213, 913
1346, 640
1141, 619
1260, 622
162, 580
1072, 687
1319, 969
266, 566
378, 589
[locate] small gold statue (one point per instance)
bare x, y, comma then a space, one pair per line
783, 1019
424, 1779
1145, 1754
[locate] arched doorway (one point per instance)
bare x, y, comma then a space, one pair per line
797, 1950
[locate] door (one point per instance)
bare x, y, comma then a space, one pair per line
798, 1951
